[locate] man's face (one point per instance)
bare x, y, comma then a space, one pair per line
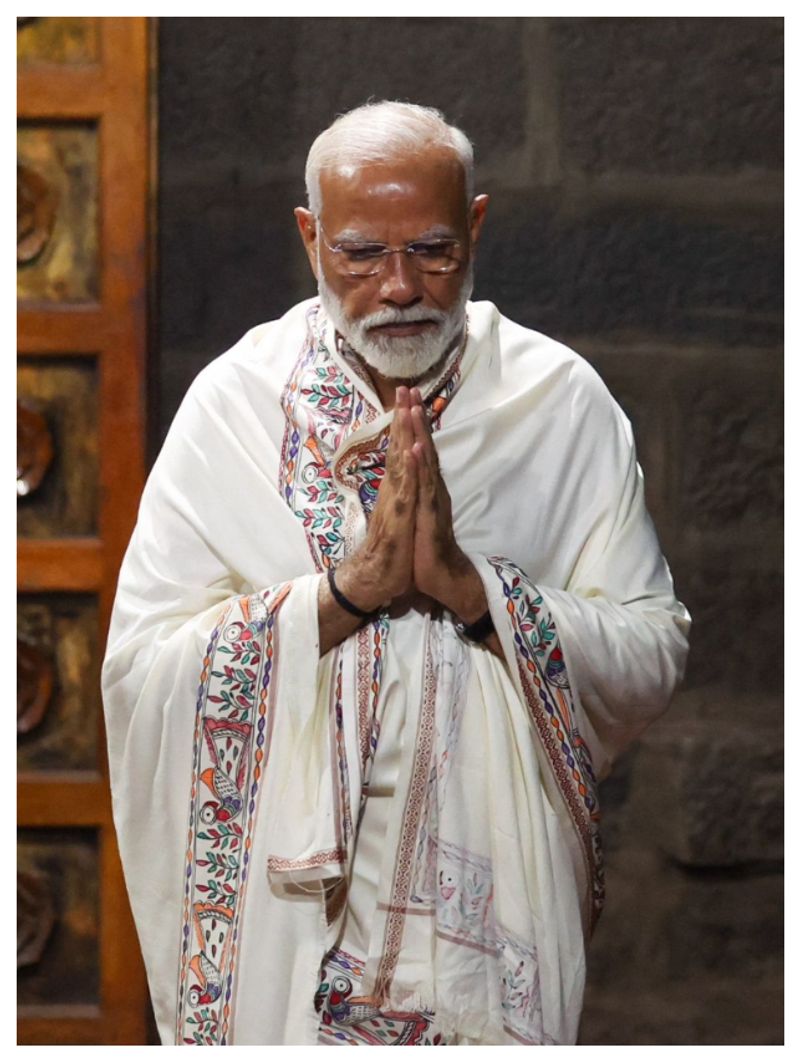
401, 321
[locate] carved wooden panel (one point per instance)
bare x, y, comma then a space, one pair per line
34, 449
36, 917
57, 636
83, 111
57, 40
59, 496
58, 917
36, 213
57, 203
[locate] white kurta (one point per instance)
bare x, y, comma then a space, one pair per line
239, 759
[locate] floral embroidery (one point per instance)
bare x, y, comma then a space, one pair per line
547, 692
521, 993
231, 745
323, 408
464, 910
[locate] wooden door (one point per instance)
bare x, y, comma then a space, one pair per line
82, 180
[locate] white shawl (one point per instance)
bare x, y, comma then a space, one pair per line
238, 758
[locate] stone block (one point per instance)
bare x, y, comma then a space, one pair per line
670, 95
691, 1012
680, 923
726, 923
709, 781
473, 69
736, 604
254, 92
631, 273
229, 259
729, 420
223, 89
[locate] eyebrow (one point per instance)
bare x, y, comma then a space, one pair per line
351, 235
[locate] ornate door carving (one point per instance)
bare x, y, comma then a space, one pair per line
82, 178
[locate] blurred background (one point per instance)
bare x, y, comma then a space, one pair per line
635, 173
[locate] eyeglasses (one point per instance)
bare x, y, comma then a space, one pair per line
367, 259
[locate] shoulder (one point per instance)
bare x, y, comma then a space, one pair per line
523, 361
267, 352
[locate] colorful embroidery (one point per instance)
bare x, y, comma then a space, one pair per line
231, 743
549, 698
344, 817
464, 910
348, 1018
405, 864
370, 647
521, 993
323, 408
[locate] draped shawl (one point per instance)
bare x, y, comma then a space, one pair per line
240, 759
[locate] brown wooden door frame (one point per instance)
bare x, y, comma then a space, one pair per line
114, 93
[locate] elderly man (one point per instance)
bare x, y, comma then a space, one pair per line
392, 606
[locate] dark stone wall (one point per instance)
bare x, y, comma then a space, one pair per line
634, 167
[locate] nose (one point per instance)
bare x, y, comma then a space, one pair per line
401, 281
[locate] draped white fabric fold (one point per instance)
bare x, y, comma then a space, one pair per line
240, 759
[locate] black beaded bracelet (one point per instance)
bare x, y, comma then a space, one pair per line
343, 602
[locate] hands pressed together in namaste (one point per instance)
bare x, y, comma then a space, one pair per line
410, 547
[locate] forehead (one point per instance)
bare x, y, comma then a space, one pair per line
396, 199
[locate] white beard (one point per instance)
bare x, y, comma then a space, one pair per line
408, 357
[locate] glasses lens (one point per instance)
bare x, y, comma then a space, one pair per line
360, 259
438, 256
367, 259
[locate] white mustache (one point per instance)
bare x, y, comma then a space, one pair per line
402, 316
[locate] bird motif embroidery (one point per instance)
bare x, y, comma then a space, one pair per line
228, 744
447, 885
212, 922
362, 1016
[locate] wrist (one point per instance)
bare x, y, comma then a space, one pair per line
357, 583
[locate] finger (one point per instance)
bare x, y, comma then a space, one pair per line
422, 434
420, 424
403, 428
400, 431
410, 477
425, 475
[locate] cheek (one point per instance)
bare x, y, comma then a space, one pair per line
443, 293
358, 301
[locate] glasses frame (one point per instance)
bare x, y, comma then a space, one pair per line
386, 250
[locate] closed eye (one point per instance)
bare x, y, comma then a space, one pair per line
362, 252
432, 248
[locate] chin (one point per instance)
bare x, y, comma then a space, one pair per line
401, 359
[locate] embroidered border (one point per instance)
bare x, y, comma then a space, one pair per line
322, 858
370, 647
341, 782
233, 725
323, 407
545, 683
401, 884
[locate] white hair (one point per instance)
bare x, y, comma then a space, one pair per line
383, 132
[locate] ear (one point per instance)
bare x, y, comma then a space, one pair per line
307, 225
477, 213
